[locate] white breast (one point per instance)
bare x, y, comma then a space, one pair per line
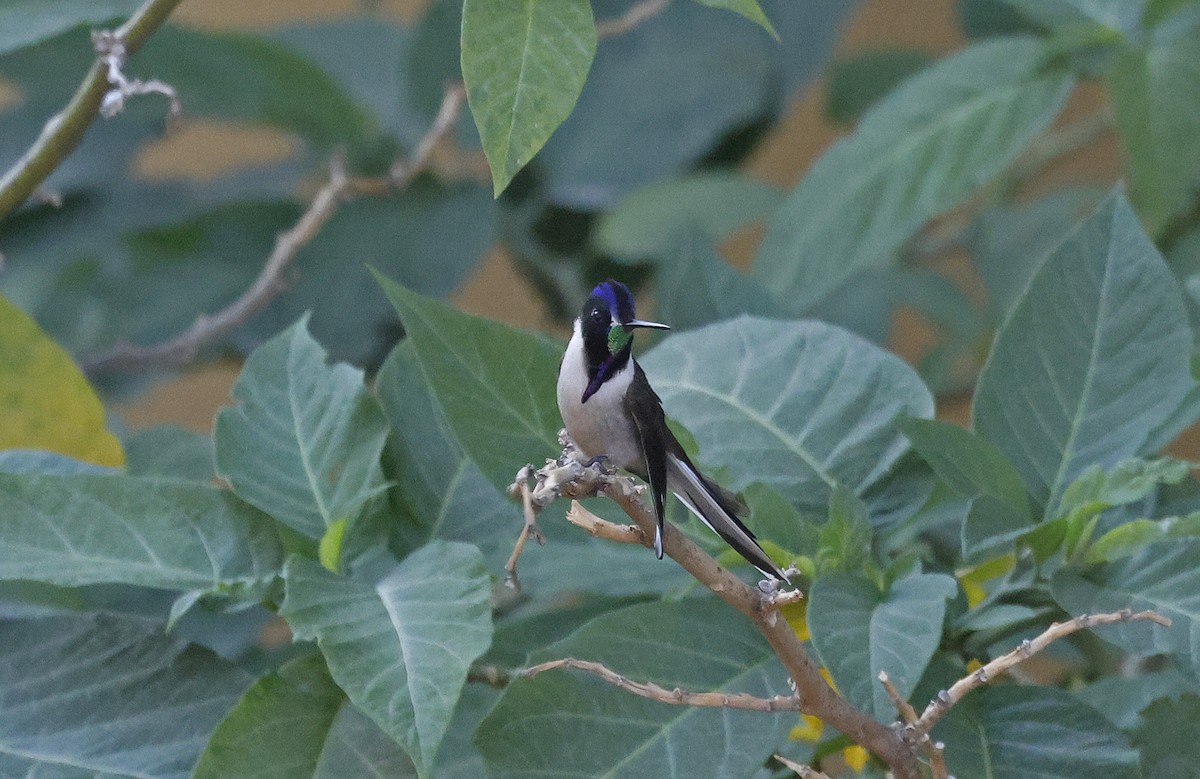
601, 426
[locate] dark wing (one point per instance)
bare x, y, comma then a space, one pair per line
645, 409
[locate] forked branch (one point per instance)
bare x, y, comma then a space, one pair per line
1027, 649
570, 477
209, 329
719, 700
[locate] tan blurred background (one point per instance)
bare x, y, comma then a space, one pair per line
205, 149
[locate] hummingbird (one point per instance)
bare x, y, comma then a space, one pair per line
611, 411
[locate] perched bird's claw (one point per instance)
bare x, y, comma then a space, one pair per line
602, 462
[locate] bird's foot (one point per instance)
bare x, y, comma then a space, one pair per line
602, 462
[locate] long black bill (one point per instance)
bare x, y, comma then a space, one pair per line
635, 323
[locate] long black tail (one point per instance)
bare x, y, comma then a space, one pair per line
719, 509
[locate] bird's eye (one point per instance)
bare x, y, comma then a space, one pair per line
596, 314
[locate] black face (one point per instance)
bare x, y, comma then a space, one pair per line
595, 320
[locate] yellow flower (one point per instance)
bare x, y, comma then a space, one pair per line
973, 579
797, 616
855, 757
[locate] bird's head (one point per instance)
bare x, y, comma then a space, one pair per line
607, 322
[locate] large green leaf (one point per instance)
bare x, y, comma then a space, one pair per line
495, 383
1093, 357
303, 441
428, 238
646, 222
799, 406
88, 529
106, 696
250, 78
919, 151
694, 286
1010, 732
855, 84
859, 631
1163, 576
1167, 738
1154, 91
571, 724
444, 495
24, 22
970, 465
296, 722
400, 647
170, 450
1118, 15
524, 64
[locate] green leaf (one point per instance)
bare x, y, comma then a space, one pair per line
918, 152
107, 696
1122, 698
86, 529
250, 78
297, 722
495, 383
303, 441
1129, 481
844, 541
695, 286
645, 223
1154, 91
400, 647
524, 64
428, 238
859, 631
1082, 379
169, 450
25, 22
1167, 738
970, 465
854, 85
798, 406
774, 517
991, 525
571, 724
1011, 732
1163, 576
1130, 537
747, 8
1010, 241
1118, 15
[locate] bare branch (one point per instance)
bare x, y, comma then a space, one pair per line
208, 329
637, 13
112, 51
530, 529
904, 707
63, 131
601, 528
1028, 648
569, 476
718, 700
937, 763
803, 771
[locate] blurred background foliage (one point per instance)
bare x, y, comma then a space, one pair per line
688, 131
